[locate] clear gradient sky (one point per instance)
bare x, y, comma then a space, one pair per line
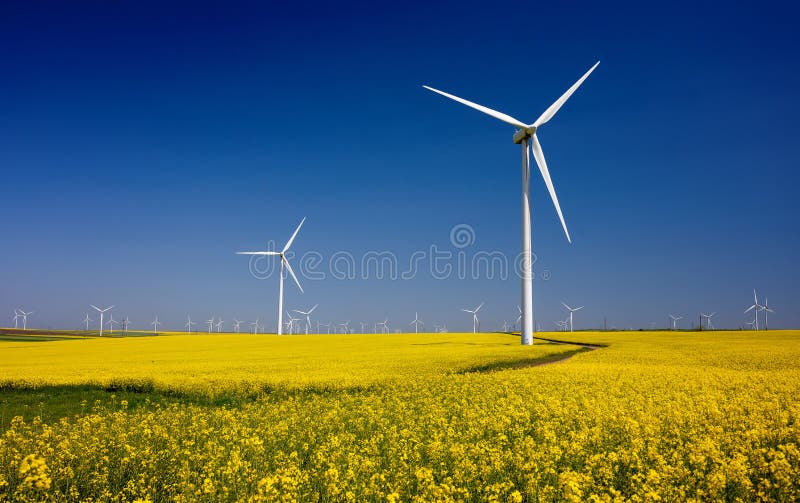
142, 145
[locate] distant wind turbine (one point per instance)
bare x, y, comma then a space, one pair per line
255, 326
284, 264
385, 325
155, 324
236, 325
189, 323
125, 324
766, 310
111, 322
708, 317
345, 327
525, 135
571, 310
24, 316
102, 312
292, 323
474, 312
307, 314
219, 325
417, 322
756, 307
210, 324
17, 316
86, 320
675, 320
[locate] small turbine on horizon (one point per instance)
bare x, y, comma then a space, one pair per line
571, 310
475, 322
307, 314
675, 320
102, 312
417, 322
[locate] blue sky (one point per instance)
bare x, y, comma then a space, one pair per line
142, 145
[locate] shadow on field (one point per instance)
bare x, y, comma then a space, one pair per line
526, 362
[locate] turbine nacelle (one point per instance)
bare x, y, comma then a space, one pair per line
523, 134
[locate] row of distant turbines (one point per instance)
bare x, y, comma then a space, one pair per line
294, 325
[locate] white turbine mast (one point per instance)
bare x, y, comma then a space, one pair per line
155, 324
675, 320
111, 323
125, 324
417, 322
86, 321
571, 311
102, 312
284, 264
474, 312
189, 323
307, 314
526, 135
766, 310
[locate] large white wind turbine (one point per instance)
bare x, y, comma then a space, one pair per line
525, 135
102, 312
417, 322
307, 314
474, 312
571, 310
284, 264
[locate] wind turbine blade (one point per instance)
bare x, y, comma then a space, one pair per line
95, 307
551, 111
479, 307
578, 308
566, 306
291, 239
488, 111
539, 156
749, 309
258, 253
312, 309
291, 273
466, 310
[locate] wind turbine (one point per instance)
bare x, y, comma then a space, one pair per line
526, 134
111, 322
125, 323
24, 316
519, 317
752, 324
385, 325
219, 325
363, 327
210, 324
17, 316
236, 324
571, 310
766, 310
326, 325
674, 320
757, 308
292, 323
307, 315
101, 311
86, 320
505, 326
189, 323
155, 324
284, 264
255, 326
475, 323
708, 320
417, 322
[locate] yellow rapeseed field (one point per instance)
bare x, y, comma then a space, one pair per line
659, 416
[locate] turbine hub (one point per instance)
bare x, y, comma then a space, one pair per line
523, 134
